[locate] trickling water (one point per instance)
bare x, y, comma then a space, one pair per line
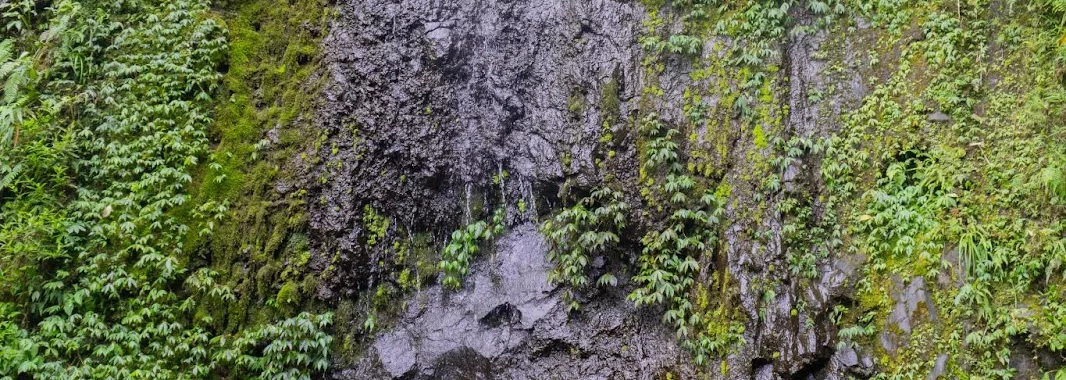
503, 191
467, 212
507, 308
528, 187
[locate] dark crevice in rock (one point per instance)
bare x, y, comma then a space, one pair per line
462, 364
505, 314
552, 347
814, 367
761, 369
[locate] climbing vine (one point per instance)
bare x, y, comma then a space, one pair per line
668, 261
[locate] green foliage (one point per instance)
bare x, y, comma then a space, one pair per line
104, 121
754, 27
16, 72
590, 227
900, 219
668, 261
759, 23
719, 326
463, 247
610, 103
972, 203
951, 168
376, 225
289, 294
809, 237
261, 125
576, 104
290, 349
1052, 179
863, 328
1055, 375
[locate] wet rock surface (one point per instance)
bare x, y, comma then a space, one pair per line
913, 305
429, 102
508, 322
426, 101
783, 339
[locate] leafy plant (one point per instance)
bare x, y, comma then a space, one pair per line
290, 349
668, 265
809, 237
16, 73
463, 247
590, 227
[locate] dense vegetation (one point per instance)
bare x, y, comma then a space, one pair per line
972, 202
107, 106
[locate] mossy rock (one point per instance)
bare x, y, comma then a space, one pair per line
289, 295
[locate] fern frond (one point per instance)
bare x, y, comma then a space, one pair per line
6, 68
6, 48
12, 84
1053, 179
10, 176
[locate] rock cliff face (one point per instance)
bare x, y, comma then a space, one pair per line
428, 101
437, 112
